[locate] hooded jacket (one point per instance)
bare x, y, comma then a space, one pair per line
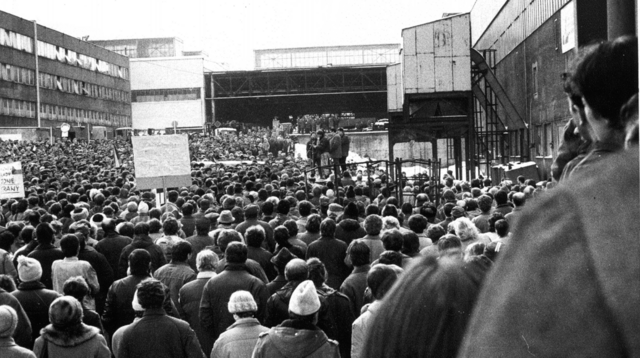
348, 230
295, 339
80, 341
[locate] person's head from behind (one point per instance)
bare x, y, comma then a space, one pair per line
518, 199
390, 257
392, 240
170, 227
242, 305
254, 236
141, 229
313, 223
435, 299
304, 303
360, 253
317, 271
475, 249
181, 251
502, 228
296, 270
206, 260
236, 253
281, 236
70, 245
410, 243
76, 287
328, 228
202, 226
7, 283
45, 234
151, 293
373, 225
8, 321
450, 245
380, 279
227, 236
417, 223
139, 262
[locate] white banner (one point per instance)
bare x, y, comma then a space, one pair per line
568, 26
11, 181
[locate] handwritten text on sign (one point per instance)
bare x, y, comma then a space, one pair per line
158, 156
11, 181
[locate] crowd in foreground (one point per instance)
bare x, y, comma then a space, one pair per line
256, 262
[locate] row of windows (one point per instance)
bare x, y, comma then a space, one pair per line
160, 95
27, 77
25, 43
27, 109
16, 40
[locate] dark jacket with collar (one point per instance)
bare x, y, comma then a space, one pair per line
111, 247
158, 335
354, 287
22, 334
295, 339
278, 305
332, 253
141, 242
214, 313
35, 299
46, 255
189, 296
103, 271
276, 284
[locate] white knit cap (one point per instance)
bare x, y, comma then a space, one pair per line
143, 208
304, 300
242, 301
29, 269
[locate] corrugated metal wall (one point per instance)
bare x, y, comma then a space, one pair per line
517, 20
394, 88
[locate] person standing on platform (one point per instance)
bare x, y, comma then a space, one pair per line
346, 141
335, 149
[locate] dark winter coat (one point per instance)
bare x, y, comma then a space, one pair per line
103, 271
46, 255
111, 247
348, 230
35, 299
278, 305
141, 242
336, 318
22, 334
158, 335
189, 297
354, 287
214, 313
332, 253
335, 147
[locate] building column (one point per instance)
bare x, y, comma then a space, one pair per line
621, 18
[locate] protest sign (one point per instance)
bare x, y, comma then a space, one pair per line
161, 161
11, 181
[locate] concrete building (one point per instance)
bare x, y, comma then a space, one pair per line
529, 44
80, 84
167, 83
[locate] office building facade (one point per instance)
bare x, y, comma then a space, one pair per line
80, 84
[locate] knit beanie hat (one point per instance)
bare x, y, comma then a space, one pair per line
8, 321
65, 312
143, 208
304, 300
29, 269
242, 301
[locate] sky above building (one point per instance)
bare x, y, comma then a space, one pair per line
229, 31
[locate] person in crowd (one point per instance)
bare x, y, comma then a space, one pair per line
227, 237
67, 336
335, 317
255, 236
32, 295
280, 261
156, 334
349, 227
467, 232
518, 200
312, 229
331, 252
538, 272
8, 325
296, 271
71, 266
188, 222
46, 253
191, 293
101, 266
450, 245
78, 288
481, 221
355, 284
116, 339
141, 240
111, 245
436, 298
177, 273
117, 310
418, 224
298, 336
170, 227
378, 279
6, 257
240, 338
199, 241
251, 213
218, 290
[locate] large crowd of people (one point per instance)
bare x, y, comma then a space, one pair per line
256, 259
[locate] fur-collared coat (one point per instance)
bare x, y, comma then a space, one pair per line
80, 341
